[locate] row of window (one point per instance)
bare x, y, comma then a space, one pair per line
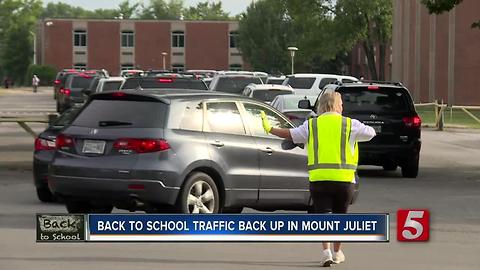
128, 39
175, 67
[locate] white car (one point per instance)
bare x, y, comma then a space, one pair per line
312, 84
288, 105
266, 92
276, 79
109, 84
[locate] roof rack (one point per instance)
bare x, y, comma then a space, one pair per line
381, 82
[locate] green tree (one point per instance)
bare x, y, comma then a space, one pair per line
127, 10
368, 22
16, 40
161, 10
264, 35
440, 6
61, 10
207, 11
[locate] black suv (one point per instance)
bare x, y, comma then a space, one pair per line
389, 109
71, 93
163, 82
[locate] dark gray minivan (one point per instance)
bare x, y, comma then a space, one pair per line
183, 150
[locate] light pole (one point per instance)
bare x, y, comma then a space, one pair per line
34, 47
164, 54
292, 54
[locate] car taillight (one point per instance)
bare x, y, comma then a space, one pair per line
118, 94
42, 144
63, 141
373, 87
412, 121
141, 145
56, 82
67, 92
165, 80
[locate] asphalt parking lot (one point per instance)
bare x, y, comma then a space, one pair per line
448, 185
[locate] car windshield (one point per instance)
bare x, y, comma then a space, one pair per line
112, 85
268, 95
301, 83
235, 84
163, 83
375, 99
81, 82
291, 101
138, 114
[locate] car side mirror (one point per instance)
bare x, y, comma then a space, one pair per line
304, 104
86, 91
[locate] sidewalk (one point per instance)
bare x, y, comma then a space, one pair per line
25, 90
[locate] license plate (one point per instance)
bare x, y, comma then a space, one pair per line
378, 129
93, 147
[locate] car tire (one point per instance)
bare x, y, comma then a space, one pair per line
410, 169
45, 195
390, 167
199, 194
78, 207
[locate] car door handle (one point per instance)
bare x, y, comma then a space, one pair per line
217, 143
267, 150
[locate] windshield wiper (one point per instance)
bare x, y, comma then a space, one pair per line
113, 123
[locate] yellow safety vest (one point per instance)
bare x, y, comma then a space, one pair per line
330, 157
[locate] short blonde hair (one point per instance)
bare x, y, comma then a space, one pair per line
328, 101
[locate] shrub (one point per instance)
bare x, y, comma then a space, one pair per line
45, 73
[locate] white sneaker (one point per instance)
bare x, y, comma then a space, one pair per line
338, 257
326, 259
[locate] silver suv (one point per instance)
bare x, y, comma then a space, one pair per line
183, 150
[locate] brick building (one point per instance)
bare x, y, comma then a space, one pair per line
125, 44
437, 56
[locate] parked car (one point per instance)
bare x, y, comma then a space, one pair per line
131, 73
44, 150
233, 84
312, 84
109, 84
389, 109
275, 79
262, 75
156, 72
196, 151
266, 92
204, 73
165, 82
60, 80
288, 105
72, 94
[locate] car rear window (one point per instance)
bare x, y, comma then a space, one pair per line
235, 84
67, 117
300, 83
81, 82
122, 113
275, 81
110, 86
383, 99
268, 95
159, 83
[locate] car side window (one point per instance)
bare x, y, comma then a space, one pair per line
192, 118
224, 117
326, 81
255, 121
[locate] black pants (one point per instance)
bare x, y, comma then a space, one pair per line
331, 196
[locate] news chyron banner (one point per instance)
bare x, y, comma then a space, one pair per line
213, 228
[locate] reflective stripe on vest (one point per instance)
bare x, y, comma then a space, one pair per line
330, 157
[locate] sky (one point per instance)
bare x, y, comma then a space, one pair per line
234, 7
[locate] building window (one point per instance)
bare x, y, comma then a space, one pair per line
128, 39
178, 68
80, 38
127, 67
236, 67
233, 39
178, 39
80, 66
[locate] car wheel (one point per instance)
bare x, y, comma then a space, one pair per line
410, 169
390, 167
44, 195
199, 195
79, 207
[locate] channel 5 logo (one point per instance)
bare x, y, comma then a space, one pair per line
413, 225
